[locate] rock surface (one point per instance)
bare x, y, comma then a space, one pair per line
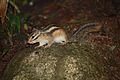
70, 62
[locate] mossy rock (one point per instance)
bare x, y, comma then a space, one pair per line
70, 62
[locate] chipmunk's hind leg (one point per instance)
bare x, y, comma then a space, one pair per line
63, 42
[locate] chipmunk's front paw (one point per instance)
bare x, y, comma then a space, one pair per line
37, 47
46, 45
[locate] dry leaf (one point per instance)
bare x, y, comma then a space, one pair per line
3, 9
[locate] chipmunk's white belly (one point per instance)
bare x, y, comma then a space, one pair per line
59, 39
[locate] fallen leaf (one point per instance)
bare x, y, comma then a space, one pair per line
3, 9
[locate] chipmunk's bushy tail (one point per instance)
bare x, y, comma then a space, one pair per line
75, 33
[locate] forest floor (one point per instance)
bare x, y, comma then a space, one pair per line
62, 14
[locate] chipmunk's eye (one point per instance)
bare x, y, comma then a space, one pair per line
33, 37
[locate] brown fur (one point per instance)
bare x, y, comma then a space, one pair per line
60, 32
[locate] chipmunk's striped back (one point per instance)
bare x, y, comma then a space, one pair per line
52, 29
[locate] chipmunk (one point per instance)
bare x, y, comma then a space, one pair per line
48, 37
57, 35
